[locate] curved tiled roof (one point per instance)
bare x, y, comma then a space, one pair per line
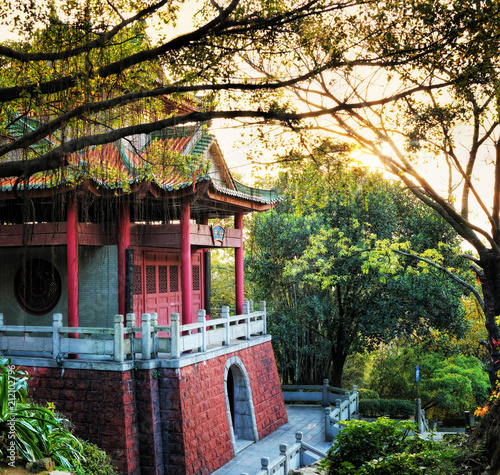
244, 192
115, 166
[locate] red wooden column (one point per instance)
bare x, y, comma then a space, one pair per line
238, 263
186, 277
123, 245
72, 258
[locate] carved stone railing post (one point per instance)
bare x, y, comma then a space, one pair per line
202, 318
264, 461
325, 397
355, 392
154, 336
146, 336
246, 311
328, 425
130, 323
298, 440
56, 335
283, 451
262, 308
118, 339
338, 403
175, 335
225, 314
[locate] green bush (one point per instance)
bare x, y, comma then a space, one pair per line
368, 394
387, 447
96, 462
394, 408
448, 385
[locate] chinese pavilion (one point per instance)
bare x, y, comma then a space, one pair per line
117, 239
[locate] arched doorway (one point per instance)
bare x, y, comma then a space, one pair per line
239, 405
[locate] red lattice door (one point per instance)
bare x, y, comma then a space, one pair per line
157, 285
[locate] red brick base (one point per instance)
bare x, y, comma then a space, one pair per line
163, 421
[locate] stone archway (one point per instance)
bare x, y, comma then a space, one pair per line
239, 405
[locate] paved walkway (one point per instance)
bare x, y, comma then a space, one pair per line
307, 419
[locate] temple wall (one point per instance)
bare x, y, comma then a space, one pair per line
98, 284
11, 259
165, 420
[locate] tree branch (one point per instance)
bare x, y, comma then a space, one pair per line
457, 279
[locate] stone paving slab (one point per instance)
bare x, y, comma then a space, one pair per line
304, 418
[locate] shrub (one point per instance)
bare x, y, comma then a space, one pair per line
387, 447
394, 408
368, 394
96, 461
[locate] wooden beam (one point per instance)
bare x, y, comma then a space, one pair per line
169, 236
52, 234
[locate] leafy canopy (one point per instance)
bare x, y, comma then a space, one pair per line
325, 262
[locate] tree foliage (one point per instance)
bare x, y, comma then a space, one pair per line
432, 120
325, 262
448, 385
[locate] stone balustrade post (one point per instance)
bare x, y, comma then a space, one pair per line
147, 346
56, 335
338, 403
328, 425
264, 462
246, 311
325, 395
298, 440
154, 334
118, 339
130, 320
130, 323
262, 308
283, 453
355, 392
202, 318
225, 314
175, 336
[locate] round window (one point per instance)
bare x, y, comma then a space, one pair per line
37, 286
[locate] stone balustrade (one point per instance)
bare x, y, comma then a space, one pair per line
126, 342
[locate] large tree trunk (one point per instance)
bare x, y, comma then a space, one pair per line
338, 361
490, 283
485, 437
